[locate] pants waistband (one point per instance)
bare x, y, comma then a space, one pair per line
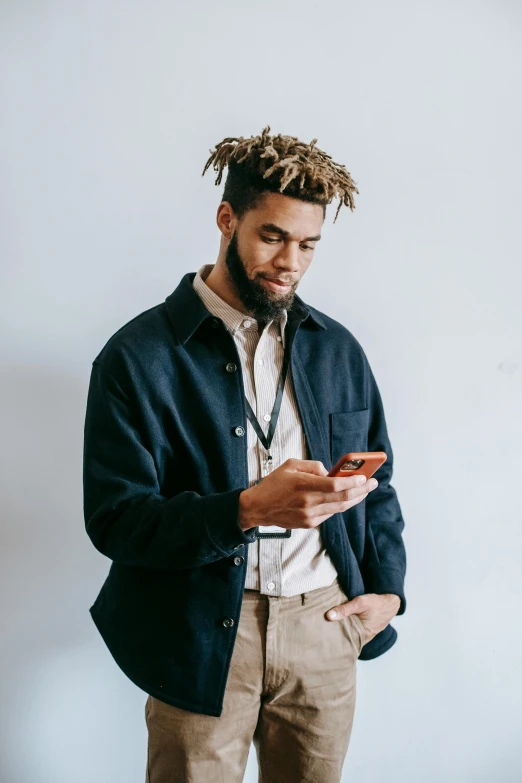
310, 595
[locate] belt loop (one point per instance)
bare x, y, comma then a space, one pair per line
303, 599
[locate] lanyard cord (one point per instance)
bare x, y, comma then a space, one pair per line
266, 440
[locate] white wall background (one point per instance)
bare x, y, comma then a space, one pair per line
109, 111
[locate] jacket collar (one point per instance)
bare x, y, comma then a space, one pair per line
187, 312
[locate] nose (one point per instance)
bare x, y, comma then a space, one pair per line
288, 259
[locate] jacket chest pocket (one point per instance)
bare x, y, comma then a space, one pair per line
348, 432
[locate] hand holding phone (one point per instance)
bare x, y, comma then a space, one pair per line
301, 494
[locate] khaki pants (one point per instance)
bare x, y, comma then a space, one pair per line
290, 691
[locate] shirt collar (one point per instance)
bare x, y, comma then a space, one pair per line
233, 319
186, 310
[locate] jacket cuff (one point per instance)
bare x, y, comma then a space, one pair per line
221, 515
381, 580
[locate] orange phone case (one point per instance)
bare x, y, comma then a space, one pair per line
371, 461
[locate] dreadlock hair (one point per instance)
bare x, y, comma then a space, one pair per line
274, 164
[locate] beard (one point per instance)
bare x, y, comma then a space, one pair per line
263, 304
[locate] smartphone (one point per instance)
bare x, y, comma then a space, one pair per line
359, 462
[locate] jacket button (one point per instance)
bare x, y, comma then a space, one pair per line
239, 431
231, 367
239, 560
228, 622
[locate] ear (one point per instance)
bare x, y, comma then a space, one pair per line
226, 220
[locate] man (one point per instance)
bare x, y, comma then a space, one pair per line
212, 422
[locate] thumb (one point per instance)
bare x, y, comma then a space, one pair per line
314, 466
342, 610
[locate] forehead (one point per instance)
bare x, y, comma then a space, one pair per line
291, 214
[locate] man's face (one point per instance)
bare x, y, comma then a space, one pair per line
274, 241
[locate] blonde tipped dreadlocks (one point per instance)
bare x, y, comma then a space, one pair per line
283, 163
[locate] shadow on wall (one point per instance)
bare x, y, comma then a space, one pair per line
57, 677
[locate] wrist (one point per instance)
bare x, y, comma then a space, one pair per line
246, 518
393, 599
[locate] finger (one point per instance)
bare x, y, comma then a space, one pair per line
337, 506
328, 509
327, 486
350, 493
323, 511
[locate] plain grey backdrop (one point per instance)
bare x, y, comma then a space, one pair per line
109, 111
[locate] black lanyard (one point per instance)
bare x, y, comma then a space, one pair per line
266, 440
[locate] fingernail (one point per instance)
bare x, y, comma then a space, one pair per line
361, 479
332, 614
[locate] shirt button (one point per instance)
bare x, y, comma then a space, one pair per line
228, 622
279, 339
239, 561
231, 367
270, 585
247, 323
260, 362
239, 431
267, 417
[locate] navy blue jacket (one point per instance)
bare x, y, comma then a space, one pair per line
164, 464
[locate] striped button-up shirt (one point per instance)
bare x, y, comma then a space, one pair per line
277, 566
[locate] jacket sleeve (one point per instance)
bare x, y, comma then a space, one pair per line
126, 517
384, 561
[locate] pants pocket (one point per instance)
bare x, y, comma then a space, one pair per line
361, 630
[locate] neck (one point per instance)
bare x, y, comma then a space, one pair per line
218, 282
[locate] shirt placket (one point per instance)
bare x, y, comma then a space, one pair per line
270, 550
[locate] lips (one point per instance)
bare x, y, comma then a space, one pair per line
275, 285
279, 281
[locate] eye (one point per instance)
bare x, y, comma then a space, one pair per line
269, 240
306, 247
